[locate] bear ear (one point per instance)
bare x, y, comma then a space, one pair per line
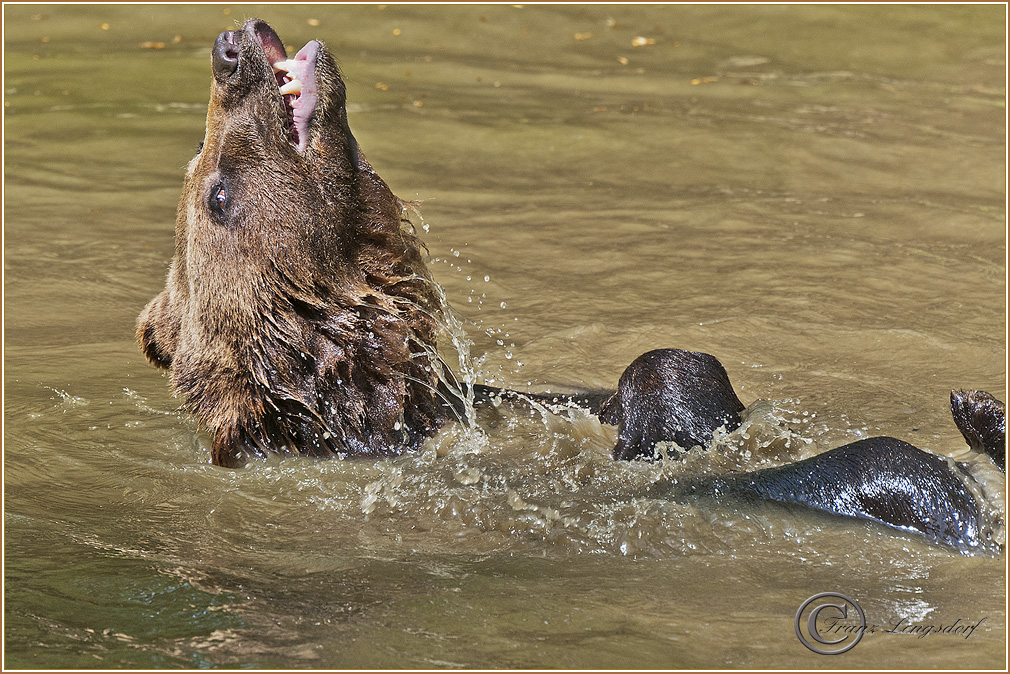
158, 330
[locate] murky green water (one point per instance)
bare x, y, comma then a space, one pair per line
813, 194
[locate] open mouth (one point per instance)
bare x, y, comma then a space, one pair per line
296, 80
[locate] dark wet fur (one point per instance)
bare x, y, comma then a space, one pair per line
881, 479
982, 421
664, 395
670, 394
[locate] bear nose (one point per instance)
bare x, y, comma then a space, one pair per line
225, 55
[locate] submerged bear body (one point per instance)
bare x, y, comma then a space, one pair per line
298, 317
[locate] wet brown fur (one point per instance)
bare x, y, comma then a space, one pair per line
298, 316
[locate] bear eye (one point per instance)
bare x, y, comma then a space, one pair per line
217, 201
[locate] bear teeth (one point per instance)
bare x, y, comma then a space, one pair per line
290, 66
292, 87
294, 70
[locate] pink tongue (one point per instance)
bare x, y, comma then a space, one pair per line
305, 104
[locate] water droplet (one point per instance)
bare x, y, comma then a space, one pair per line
502, 305
486, 278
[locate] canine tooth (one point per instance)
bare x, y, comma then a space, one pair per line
292, 87
286, 66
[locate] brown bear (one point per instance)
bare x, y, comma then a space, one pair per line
298, 317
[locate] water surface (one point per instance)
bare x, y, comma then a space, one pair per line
813, 194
